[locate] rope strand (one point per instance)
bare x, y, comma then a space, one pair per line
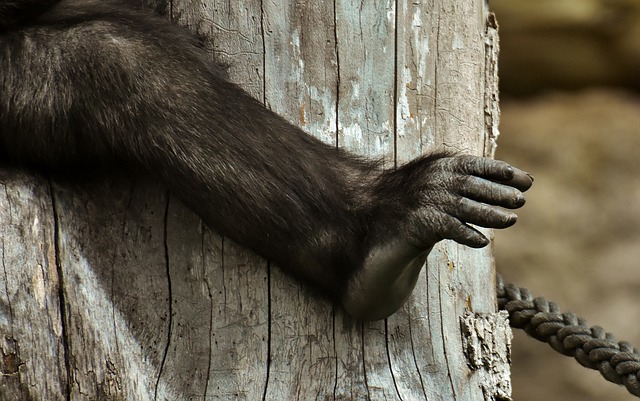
592, 347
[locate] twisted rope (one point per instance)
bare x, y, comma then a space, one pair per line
592, 347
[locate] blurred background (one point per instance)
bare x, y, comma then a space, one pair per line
570, 89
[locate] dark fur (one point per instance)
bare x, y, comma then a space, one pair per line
97, 81
16, 12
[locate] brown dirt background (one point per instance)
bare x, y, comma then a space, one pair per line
575, 125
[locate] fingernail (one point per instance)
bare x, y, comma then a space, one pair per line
509, 173
512, 218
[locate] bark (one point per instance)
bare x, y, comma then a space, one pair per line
110, 289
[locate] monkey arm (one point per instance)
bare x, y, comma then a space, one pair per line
88, 84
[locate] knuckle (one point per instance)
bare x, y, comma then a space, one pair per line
449, 228
463, 182
459, 207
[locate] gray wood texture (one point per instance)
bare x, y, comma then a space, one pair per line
111, 289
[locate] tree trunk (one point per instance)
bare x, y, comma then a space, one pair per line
110, 289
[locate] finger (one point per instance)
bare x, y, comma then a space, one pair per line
481, 214
491, 192
495, 170
485, 167
462, 233
520, 180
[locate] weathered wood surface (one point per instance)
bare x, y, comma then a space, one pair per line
111, 289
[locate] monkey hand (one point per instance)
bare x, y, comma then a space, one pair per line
432, 198
442, 196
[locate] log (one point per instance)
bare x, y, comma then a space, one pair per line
111, 289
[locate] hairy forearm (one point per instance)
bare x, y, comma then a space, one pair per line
246, 171
308, 197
